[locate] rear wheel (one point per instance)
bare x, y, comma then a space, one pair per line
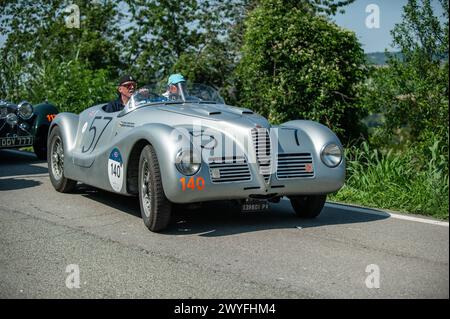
155, 207
56, 163
308, 206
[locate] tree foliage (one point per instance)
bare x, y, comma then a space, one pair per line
70, 85
297, 64
43, 58
201, 38
412, 92
166, 36
150, 38
36, 31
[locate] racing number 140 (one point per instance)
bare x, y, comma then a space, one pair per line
115, 170
198, 183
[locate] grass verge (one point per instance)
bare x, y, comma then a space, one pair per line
396, 181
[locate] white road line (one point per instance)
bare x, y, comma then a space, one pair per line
385, 213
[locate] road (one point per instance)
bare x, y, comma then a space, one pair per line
213, 252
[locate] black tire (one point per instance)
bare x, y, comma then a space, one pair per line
40, 146
55, 155
156, 209
308, 206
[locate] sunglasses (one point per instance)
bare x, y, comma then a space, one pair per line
129, 85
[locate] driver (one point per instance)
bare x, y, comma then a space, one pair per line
126, 87
173, 90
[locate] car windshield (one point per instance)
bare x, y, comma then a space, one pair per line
175, 94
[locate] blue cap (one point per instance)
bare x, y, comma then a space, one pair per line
175, 78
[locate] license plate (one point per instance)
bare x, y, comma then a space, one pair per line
254, 205
16, 141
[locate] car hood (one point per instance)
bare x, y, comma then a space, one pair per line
225, 114
217, 112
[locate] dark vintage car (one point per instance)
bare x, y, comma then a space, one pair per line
24, 125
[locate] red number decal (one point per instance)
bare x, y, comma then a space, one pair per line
198, 183
51, 117
191, 183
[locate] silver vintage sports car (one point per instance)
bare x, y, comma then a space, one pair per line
189, 147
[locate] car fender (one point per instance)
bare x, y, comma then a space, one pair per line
318, 133
166, 145
318, 136
45, 113
68, 125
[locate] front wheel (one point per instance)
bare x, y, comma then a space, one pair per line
40, 149
155, 207
308, 206
56, 163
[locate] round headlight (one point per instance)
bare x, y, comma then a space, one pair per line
25, 110
331, 155
187, 162
11, 119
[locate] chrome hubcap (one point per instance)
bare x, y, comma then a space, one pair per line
146, 189
57, 158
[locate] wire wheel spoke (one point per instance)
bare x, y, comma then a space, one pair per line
57, 158
146, 189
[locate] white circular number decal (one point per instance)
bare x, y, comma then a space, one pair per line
115, 170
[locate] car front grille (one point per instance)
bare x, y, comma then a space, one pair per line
231, 169
261, 142
3, 112
295, 165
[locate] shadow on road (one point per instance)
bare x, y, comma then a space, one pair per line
9, 184
215, 220
223, 219
14, 163
126, 204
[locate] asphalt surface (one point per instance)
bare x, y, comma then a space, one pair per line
213, 252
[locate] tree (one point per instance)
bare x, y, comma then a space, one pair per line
38, 32
297, 64
150, 38
70, 85
170, 36
44, 59
412, 91
219, 53
37, 35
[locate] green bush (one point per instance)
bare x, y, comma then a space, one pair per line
398, 180
412, 91
300, 65
71, 86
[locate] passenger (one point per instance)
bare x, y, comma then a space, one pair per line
173, 91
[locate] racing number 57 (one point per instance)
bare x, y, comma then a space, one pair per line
93, 129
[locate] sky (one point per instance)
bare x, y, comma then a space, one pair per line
355, 16
390, 13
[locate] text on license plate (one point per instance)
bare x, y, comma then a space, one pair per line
16, 141
254, 205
